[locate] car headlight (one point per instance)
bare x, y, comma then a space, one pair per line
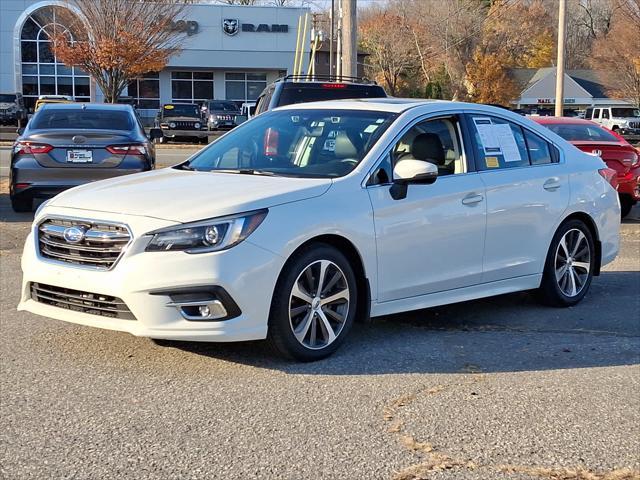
197, 125
213, 118
172, 125
206, 235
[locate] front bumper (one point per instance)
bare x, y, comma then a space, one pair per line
170, 133
144, 280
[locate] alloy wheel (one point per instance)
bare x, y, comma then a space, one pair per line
319, 304
572, 262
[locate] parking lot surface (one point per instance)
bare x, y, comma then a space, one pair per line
496, 388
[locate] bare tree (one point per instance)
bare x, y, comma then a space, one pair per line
117, 40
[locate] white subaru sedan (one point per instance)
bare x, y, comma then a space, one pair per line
306, 218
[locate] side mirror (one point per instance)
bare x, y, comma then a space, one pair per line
20, 131
241, 119
409, 171
155, 133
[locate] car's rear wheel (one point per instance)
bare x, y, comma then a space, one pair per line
569, 266
626, 204
314, 304
22, 204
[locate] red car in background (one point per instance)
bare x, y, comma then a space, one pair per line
616, 152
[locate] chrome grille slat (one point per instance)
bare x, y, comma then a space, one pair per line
86, 302
100, 247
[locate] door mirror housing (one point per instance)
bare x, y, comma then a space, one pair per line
155, 133
409, 171
414, 171
20, 131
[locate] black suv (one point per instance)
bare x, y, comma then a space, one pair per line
221, 114
182, 120
297, 89
12, 109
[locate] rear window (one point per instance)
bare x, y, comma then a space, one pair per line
223, 106
91, 119
625, 112
292, 93
581, 133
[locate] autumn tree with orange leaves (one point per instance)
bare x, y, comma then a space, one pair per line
116, 41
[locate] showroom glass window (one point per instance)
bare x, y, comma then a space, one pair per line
244, 86
42, 73
146, 90
191, 87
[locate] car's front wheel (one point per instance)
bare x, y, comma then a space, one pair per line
314, 304
569, 266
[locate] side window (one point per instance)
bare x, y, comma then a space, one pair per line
499, 143
596, 114
588, 114
436, 141
605, 113
539, 149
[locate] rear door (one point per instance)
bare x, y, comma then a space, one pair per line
527, 190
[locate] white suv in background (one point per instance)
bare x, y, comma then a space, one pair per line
309, 216
622, 120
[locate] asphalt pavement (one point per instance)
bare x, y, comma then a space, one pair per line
500, 388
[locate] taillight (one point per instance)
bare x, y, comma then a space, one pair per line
31, 148
334, 85
271, 137
127, 149
610, 175
635, 160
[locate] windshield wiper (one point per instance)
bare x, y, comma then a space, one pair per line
244, 171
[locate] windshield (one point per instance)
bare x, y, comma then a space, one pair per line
185, 110
93, 119
300, 143
625, 112
7, 98
223, 107
581, 133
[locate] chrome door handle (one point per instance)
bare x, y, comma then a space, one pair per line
552, 184
472, 199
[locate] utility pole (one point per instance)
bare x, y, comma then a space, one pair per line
560, 61
350, 39
332, 16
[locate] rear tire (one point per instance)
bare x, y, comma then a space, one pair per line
569, 265
314, 304
23, 204
626, 204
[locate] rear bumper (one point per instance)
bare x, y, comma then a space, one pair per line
630, 184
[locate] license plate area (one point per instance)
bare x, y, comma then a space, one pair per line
79, 156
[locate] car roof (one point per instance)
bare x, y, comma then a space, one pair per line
82, 106
563, 120
388, 104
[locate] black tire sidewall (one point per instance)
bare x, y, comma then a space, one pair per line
550, 288
280, 333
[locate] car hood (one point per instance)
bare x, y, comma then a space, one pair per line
184, 196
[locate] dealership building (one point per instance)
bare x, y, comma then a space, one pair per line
229, 52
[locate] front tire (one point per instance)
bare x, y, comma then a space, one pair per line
314, 304
569, 266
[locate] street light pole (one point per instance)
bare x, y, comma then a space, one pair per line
331, 37
560, 60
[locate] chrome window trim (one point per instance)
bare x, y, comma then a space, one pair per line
94, 268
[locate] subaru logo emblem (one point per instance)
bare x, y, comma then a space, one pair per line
73, 234
597, 153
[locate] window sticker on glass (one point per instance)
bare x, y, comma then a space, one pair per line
488, 139
329, 145
335, 119
492, 162
380, 120
507, 143
370, 129
295, 119
332, 134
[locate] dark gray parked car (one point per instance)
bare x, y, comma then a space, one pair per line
65, 145
221, 114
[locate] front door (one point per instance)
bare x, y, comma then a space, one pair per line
433, 239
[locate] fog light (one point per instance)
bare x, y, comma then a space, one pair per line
204, 310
